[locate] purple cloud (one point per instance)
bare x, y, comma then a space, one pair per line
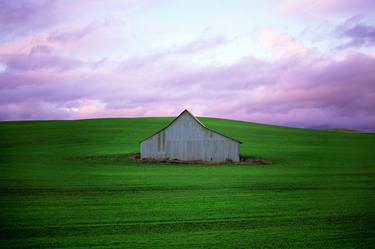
202, 43
356, 34
63, 69
326, 6
296, 91
63, 36
25, 16
40, 57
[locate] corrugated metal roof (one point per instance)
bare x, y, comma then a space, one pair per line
196, 119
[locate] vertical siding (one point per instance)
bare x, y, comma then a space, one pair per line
185, 139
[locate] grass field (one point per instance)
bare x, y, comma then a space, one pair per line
69, 184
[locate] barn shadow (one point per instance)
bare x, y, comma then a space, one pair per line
243, 161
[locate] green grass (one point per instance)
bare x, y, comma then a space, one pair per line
318, 193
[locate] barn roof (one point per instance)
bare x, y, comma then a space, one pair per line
199, 122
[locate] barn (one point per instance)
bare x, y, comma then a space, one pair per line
187, 139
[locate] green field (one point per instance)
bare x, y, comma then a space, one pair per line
70, 184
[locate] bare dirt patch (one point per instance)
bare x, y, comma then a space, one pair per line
243, 160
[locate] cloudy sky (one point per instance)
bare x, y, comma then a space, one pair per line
302, 63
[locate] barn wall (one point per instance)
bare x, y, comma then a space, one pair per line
185, 139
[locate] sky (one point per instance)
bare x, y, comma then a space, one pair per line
299, 63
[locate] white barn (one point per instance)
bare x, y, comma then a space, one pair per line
187, 139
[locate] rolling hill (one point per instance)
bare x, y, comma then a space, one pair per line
70, 184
